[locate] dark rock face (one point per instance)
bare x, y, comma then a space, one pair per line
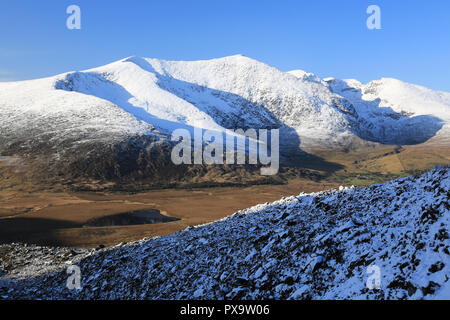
138, 163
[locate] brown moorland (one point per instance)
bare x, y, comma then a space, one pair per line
51, 216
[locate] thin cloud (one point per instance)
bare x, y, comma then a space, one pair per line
6, 76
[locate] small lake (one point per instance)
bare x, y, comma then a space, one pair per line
130, 218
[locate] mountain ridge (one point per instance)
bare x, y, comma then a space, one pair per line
310, 246
69, 118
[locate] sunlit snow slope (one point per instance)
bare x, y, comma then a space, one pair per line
136, 95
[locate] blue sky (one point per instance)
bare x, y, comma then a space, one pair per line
327, 37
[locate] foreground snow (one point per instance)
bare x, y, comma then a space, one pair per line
312, 246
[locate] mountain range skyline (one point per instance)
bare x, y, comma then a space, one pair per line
116, 121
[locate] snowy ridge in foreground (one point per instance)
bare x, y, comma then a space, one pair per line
312, 246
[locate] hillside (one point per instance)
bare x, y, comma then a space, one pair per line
313, 246
112, 124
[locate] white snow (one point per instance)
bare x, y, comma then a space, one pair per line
389, 95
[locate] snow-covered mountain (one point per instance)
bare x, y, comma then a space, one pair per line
313, 246
135, 103
136, 95
387, 96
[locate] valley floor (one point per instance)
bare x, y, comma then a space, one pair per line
57, 218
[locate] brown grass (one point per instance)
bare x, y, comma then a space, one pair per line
57, 218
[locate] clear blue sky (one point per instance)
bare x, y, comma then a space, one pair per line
327, 37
